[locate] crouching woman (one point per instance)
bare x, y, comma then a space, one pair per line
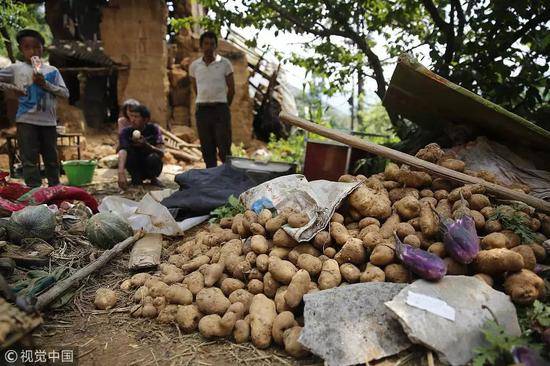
140, 149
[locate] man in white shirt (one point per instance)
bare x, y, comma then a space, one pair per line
212, 80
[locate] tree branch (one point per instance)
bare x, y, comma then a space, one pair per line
448, 31
7, 43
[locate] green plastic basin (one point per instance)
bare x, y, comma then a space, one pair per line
79, 172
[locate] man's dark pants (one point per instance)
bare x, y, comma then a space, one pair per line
143, 164
214, 127
34, 141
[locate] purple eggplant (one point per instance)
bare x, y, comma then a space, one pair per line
425, 264
528, 357
459, 237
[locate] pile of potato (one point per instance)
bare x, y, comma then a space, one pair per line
245, 278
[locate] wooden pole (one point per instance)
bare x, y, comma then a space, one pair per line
61, 287
404, 158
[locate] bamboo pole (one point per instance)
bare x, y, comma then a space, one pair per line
61, 287
182, 155
401, 157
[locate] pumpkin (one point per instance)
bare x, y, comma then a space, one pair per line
106, 229
31, 222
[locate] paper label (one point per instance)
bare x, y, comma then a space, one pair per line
431, 304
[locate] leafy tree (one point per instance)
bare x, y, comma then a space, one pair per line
499, 49
17, 16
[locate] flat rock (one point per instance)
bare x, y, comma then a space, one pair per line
454, 341
349, 325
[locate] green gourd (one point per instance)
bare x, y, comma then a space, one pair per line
106, 229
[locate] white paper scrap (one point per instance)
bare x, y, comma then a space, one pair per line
431, 304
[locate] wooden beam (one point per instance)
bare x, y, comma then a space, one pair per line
401, 157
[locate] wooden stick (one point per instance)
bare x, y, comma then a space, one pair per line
176, 138
61, 287
404, 158
182, 155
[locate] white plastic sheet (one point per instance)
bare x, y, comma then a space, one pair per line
148, 214
319, 199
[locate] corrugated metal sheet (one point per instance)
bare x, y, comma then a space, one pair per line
434, 102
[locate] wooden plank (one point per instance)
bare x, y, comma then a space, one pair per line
182, 155
61, 287
176, 138
401, 157
146, 252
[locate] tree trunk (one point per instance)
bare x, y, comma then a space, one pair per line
7, 43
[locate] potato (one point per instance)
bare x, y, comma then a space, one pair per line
281, 270
372, 273
158, 289
524, 287
352, 251
213, 325
408, 207
339, 233
337, 217
529, 259
212, 273
494, 240
398, 193
310, 263
479, 201
187, 317
212, 301
453, 164
397, 273
282, 239
371, 202
539, 251
139, 279
329, 252
330, 275
229, 285
487, 212
403, 229
242, 296
438, 249
431, 152
439, 184
255, 286
179, 295
262, 317
479, 219
441, 194
255, 274
232, 247
429, 200
274, 224
258, 244
387, 229
292, 346
194, 282
382, 255
426, 193
303, 248
285, 320
322, 239
391, 172
171, 273
412, 240
105, 298
492, 226
297, 288
428, 221
270, 285
414, 179
264, 216
167, 314
257, 229
297, 220
149, 310
251, 216
251, 258
454, 267
141, 293
444, 208
241, 331
350, 273
279, 252
195, 263
497, 261
262, 262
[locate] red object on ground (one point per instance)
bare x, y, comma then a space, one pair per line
25, 196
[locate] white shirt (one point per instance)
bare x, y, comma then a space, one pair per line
211, 84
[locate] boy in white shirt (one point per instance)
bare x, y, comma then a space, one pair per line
38, 86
